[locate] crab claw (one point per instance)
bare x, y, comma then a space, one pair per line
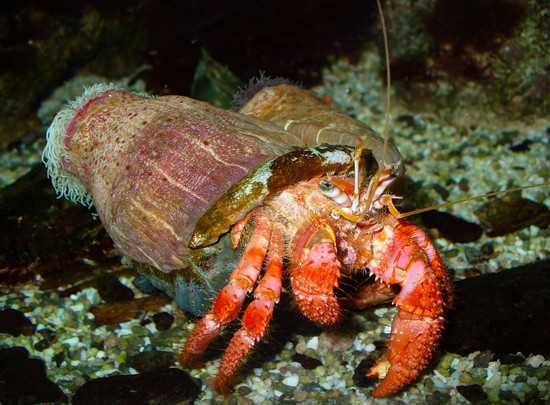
411, 261
412, 345
315, 272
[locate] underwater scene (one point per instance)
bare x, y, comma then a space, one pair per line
265, 202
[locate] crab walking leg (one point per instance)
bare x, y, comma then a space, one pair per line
238, 229
314, 278
228, 303
412, 262
258, 314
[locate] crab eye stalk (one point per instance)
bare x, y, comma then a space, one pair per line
329, 189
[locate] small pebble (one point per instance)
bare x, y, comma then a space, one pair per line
463, 185
244, 390
163, 320
301, 347
300, 395
112, 290
465, 378
483, 359
291, 380
309, 363
313, 343
473, 393
536, 361
493, 382
42, 345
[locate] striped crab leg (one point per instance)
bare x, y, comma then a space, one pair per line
228, 303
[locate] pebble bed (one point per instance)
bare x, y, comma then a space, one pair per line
440, 154
82, 351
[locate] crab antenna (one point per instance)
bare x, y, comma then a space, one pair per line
356, 159
477, 197
388, 78
373, 184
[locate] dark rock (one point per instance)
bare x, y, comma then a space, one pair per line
163, 387
243, 390
473, 393
406, 120
48, 334
42, 345
511, 213
307, 362
59, 358
483, 359
117, 312
23, 380
506, 312
110, 289
56, 239
151, 360
463, 185
522, 146
360, 374
506, 358
15, 323
437, 398
453, 228
70, 291
163, 320
479, 255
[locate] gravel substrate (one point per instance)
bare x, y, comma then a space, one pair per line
440, 154
82, 351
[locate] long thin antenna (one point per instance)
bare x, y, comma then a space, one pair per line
388, 78
373, 184
477, 197
375, 179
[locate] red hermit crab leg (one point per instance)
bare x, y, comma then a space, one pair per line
258, 314
402, 254
229, 301
238, 229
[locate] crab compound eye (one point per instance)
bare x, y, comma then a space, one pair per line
327, 187
330, 189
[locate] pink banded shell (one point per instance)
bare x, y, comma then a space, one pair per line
154, 165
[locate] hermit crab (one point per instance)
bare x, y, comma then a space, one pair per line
213, 205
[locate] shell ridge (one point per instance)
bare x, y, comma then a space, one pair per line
55, 153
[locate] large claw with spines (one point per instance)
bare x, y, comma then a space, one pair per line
410, 261
315, 272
